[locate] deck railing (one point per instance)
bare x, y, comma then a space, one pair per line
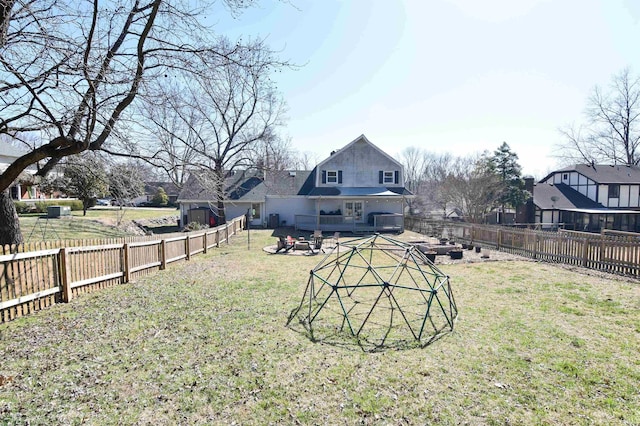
33, 280
381, 222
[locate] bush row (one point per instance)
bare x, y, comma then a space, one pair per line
41, 206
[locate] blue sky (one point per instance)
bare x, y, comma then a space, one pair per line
458, 76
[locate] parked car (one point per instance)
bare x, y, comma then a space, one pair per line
103, 202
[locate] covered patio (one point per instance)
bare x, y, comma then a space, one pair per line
355, 209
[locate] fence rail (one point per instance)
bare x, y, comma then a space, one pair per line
613, 252
32, 279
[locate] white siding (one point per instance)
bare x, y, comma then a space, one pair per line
360, 164
624, 196
582, 180
633, 196
386, 206
591, 192
547, 217
236, 209
288, 207
603, 193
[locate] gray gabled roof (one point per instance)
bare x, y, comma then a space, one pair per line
561, 197
247, 186
361, 138
604, 173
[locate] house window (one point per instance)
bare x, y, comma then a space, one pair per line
565, 176
614, 191
388, 177
332, 176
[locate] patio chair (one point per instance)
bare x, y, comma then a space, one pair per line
335, 239
317, 240
285, 244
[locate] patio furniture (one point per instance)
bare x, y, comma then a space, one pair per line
317, 240
285, 244
335, 239
302, 245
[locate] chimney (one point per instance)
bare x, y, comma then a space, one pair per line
528, 184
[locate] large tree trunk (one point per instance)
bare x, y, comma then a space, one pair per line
9, 223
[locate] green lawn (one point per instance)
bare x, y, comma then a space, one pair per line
98, 223
206, 342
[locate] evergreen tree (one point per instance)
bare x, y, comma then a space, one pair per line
160, 198
505, 164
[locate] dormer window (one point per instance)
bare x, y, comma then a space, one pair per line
614, 191
332, 176
388, 177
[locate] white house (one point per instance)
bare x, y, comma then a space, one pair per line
357, 188
590, 197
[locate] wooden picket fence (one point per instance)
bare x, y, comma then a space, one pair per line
611, 251
36, 276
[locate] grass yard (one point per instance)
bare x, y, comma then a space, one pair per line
205, 342
99, 222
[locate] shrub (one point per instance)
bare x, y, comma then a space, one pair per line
160, 198
22, 207
76, 205
194, 226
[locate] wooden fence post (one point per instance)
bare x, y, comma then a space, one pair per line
163, 254
226, 233
585, 251
126, 274
64, 276
204, 242
187, 246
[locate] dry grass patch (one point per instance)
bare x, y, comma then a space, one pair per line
205, 342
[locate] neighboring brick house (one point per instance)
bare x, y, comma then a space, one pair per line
589, 197
357, 188
22, 189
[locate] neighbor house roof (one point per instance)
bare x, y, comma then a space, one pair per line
169, 187
561, 197
604, 173
247, 186
200, 188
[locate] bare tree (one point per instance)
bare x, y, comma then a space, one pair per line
473, 186
426, 176
85, 178
225, 119
414, 161
611, 133
168, 136
70, 71
305, 160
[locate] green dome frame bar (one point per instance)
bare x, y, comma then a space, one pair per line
377, 289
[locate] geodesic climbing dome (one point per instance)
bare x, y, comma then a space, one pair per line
382, 291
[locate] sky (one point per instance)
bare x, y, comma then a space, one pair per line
457, 76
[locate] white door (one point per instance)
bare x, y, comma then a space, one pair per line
353, 211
